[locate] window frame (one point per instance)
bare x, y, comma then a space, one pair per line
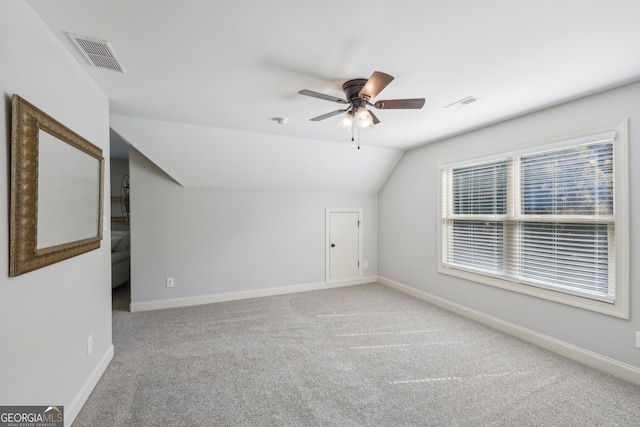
619, 220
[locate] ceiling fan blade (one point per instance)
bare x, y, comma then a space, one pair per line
376, 83
400, 104
373, 116
322, 96
331, 114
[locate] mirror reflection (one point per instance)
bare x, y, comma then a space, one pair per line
68, 192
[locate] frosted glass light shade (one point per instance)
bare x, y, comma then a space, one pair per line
364, 119
346, 122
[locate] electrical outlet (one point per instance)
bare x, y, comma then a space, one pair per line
90, 345
170, 282
366, 264
638, 339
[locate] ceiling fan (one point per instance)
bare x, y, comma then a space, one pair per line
359, 93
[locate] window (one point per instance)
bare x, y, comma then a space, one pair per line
548, 218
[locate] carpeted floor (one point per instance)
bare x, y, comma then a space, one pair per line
356, 356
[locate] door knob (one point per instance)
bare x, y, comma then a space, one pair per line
333, 245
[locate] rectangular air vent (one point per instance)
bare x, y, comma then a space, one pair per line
459, 104
98, 52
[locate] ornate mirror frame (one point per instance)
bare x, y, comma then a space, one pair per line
28, 123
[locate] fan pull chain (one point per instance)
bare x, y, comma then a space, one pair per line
353, 124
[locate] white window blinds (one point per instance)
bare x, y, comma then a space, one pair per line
542, 217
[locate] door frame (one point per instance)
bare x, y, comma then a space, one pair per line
328, 212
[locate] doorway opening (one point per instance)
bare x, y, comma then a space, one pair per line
120, 223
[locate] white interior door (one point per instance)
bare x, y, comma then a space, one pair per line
344, 244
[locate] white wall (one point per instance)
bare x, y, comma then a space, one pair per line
215, 241
408, 222
47, 315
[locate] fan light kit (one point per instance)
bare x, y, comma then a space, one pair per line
359, 93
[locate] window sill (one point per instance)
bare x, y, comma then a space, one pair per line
620, 308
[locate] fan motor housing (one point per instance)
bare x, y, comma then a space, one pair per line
352, 88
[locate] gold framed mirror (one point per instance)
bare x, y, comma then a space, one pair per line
57, 189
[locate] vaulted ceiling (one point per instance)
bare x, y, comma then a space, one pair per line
205, 80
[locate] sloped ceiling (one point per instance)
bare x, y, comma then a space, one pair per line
218, 73
245, 160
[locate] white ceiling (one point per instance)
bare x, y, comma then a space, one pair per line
235, 66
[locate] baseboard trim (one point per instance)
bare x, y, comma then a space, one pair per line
240, 295
72, 410
570, 351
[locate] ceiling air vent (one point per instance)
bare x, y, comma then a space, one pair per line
459, 104
98, 52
